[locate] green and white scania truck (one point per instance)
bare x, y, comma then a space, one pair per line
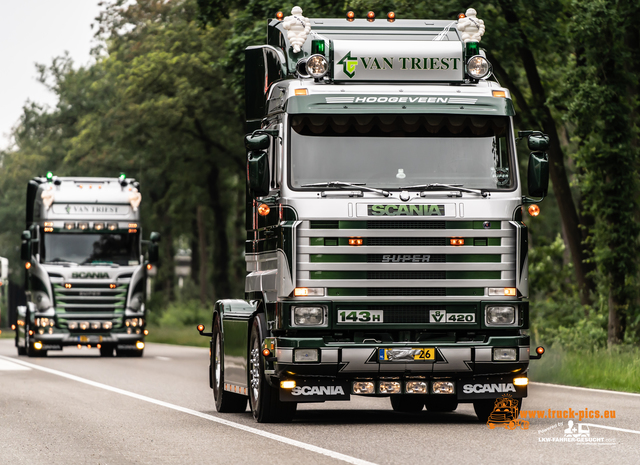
386, 251
85, 272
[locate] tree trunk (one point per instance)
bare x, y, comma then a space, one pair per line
615, 332
221, 281
202, 246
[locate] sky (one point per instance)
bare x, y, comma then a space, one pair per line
36, 31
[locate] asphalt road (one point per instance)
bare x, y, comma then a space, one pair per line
74, 407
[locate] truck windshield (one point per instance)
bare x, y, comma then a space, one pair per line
91, 249
392, 151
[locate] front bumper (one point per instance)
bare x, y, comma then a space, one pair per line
58, 340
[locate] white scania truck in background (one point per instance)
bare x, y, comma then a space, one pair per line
85, 271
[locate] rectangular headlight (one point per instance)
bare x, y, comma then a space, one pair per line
309, 316
503, 354
305, 355
500, 315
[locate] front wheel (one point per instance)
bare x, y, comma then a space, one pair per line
226, 402
264, 398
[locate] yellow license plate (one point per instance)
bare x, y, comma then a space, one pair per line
407, 354
90, 338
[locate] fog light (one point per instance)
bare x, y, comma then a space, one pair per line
443, 387
139, 345
72, 325
84, 325
363, 387
500, 315
317, 66
40, 330
308, 291
95, 325
415, 387
37, 345
504, 354
521, 381
306, 355
390, 387
478, 67
289, 384
107, 325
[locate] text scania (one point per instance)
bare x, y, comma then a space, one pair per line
405, 210
484, 388
317, 391
88, 274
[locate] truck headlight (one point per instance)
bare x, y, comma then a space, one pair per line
317, 66
504, 354
478, 67
503, 315
42, 300
309, 316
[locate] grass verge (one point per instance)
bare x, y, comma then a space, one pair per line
186, 336
615, 369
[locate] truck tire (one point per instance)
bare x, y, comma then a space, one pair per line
407, 403
264, 398
106, 351
226, 402
439, 405
21, 350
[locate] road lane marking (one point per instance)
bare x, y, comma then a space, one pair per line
586, 389
164, 359
6, 365
248, 429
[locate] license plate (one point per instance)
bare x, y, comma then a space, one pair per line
407, 354
89, 339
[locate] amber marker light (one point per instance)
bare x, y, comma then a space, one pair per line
287, 384
371, 16
461, 15
146, 332
79, 346
391, 16
279, 15
534, 210
13, 327
200, 328
456, 241
499, 93
31, 332
67, 286
112, 286
510, 291
301, 292
300, 92
356, 241
27, 265
540, 350
266, 352
351, 16
263, 209
521, 381
149, 266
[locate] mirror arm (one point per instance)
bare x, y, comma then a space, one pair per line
528, 200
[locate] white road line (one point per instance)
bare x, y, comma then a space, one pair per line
612, 428
587, 389
6, 365
164, 359
248, 429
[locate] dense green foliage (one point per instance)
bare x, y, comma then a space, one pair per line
163, 102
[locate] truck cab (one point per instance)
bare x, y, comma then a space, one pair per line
85, 269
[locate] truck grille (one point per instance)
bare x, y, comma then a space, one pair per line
88, 297
405, 258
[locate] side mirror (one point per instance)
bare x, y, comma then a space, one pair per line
25, 247
538, 174
154, 237
258, 173
258, 142
154, 253
538, 142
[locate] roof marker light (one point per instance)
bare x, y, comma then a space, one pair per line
350, 15
391, 16
371, 16
279, 15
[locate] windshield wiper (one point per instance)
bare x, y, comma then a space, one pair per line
342, 184
438, 186
57, 261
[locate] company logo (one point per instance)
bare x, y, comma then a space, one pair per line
317, 391
67, 208
488, 388
505, 414
89, 274
408, 99
405, 210
349, 64
416, 258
